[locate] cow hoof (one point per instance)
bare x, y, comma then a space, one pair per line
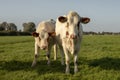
33, 64
62, 63
75, 70
67, 71
48, 63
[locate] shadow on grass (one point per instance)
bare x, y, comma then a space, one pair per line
106, 63
56, 67
14, 65
40, 68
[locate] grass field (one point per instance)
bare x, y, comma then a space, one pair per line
99, 59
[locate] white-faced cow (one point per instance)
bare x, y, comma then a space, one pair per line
69, 34
44, 39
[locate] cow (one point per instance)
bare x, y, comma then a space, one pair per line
69, 35
44, 39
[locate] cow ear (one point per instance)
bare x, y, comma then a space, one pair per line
85, 20
34, 34
62, 19
52, 34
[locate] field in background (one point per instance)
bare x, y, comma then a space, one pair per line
99, 59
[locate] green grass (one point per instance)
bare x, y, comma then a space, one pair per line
99, 59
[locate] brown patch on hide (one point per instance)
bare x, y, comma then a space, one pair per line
67, 34
52, 34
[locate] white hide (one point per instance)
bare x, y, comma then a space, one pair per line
68, 36
44, 40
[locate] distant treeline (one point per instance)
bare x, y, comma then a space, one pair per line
101, 33
27, 27
10, 29
14, 33
19, 33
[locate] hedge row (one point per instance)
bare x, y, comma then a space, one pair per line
14, 33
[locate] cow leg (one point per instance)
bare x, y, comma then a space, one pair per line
35, 56
75, 63
67, 61
48, 54
55, 52
62, 55
48, 57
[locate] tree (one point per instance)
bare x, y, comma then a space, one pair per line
8, 27
28, 27
3, 26
12, 27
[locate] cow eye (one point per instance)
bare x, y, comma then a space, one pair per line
78, 25
67, 25
39, 38
48, 39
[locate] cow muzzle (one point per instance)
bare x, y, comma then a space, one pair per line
43, 47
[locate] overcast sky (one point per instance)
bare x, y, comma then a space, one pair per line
104, 14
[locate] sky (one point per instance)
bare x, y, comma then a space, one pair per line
104, 14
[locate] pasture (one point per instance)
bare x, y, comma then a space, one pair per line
99, 59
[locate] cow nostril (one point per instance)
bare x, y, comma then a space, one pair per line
44, 47
73, 36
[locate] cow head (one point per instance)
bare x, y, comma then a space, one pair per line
72, 24
42, 38
71, 29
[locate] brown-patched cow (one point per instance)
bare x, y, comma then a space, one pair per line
69, 35
44, 39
